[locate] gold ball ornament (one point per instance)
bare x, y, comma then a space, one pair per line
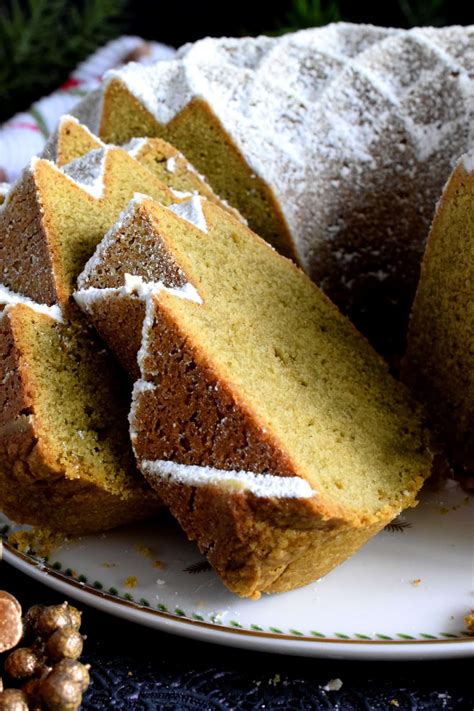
65, 643
76, 671
22, 663
60, 693
13, 700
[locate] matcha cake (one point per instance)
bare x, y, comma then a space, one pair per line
265, 421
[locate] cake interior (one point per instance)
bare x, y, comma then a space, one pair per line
80, 416
198, 133
303, 370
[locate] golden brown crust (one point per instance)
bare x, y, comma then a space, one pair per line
33, 493
259, 545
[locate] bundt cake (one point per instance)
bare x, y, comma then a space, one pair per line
439, 363
266, 422
333, 142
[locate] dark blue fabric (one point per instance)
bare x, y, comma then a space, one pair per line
136, 669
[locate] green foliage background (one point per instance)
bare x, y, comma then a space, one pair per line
42, 40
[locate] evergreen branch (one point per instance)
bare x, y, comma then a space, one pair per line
310, 13
42, 40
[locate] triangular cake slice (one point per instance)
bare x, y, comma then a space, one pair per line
267, 423
53, 219
72, 140
439, 363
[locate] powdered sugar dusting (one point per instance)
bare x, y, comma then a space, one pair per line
134, 286
180, 194
261, 485
355, 129
171, 164
88, 171
134, 146
139, 387
467, 162
192, 211
11, 298
329, 117
143, 289
146, 329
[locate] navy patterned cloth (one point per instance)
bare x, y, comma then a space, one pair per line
136, 669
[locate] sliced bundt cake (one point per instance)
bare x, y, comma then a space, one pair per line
72, 140
223, 105
269, 426
334, 143
439, 363
63, 435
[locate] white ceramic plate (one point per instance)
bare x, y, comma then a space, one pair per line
403, 596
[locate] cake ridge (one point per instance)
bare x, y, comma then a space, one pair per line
412, 85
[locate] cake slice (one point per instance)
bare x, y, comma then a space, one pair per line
65, 458
267, 423
439, 362
72, 140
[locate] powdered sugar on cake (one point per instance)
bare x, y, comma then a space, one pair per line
11, 298
467, 161
353, 112
88, 171
192, 211
134, 286
261, 485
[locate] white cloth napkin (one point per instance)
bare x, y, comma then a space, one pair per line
24, 135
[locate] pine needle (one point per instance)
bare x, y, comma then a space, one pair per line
42, 40
310, 13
